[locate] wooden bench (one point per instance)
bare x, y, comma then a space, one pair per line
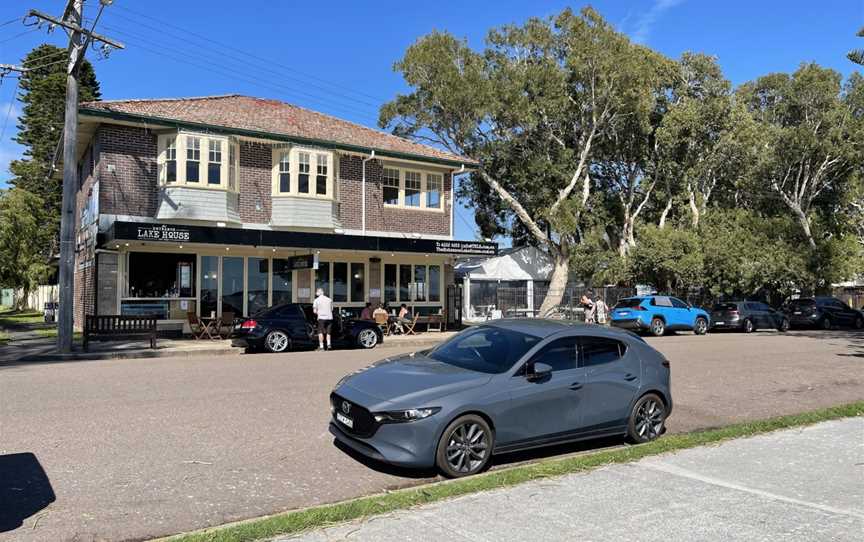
119, 326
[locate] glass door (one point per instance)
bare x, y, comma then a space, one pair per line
232, 285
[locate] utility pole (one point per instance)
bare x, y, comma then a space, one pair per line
79, 39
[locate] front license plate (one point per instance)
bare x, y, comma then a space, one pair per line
345, 420
719, 323
797, 312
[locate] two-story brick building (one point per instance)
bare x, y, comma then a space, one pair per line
233, 203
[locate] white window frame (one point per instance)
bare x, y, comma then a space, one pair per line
424, 180
351, 302
294, 172
229, 175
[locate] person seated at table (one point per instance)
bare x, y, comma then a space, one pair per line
379, 310
366, 313
402, 318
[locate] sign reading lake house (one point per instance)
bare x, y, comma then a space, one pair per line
162, 233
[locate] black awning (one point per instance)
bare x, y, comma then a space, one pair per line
171, 233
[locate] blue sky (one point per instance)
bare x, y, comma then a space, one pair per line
337, 57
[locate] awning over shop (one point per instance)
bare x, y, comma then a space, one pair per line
164, 233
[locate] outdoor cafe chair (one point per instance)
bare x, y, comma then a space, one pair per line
410, 324
383, 322
199, 329
226, 323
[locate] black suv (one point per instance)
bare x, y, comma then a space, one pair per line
747, 316
823, 312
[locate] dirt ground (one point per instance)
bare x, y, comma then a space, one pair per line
132, 449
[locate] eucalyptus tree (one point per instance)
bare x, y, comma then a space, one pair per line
809, 132
530, 109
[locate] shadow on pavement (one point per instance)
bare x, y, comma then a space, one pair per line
502, 460
24, 489
854, 337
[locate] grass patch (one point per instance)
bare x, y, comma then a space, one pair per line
320, 516
4, 337
12, 318
52, 332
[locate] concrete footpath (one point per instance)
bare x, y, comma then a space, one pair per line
798, 484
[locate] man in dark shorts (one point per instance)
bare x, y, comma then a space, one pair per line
323, 309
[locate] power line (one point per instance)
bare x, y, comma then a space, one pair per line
228, 74
9, 110
24, 33
186, 31
217, 60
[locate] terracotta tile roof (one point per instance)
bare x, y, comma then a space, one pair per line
271, 116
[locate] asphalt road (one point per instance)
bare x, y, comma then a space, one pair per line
132, 449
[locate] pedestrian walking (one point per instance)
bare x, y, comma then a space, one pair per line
601, 312
589, 307
323, 309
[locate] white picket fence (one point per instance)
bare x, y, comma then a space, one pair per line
36, 299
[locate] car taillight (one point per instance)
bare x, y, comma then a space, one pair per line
249, 324
639, 308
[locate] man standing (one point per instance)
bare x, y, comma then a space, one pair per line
323, 309
366, 313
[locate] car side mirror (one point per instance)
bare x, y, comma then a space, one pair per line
538, 371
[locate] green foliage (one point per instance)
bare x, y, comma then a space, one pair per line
23, 237
669, 258
43, 96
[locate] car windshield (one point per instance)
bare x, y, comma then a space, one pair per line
726, 307
486, 349
802, 302
628, 303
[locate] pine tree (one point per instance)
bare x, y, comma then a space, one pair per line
42, 93
857, 55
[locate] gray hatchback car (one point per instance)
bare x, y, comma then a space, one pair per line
501, 387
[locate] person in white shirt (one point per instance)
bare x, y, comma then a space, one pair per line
323, 309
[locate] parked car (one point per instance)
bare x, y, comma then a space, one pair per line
293, 325
658, 314
503, 386
747, 316
822, 312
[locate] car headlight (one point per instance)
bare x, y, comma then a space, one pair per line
402, 416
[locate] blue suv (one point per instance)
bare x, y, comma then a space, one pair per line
659, 314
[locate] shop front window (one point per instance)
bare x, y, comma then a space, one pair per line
390, 283
232, 285
322, 277
161, 275
420, 283
257, 273
282, 282
435, 283
404, 283
209, 285
340, 282
358, 277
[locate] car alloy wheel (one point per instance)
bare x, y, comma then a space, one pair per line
465, 447
701, 326
748, 326
647, 419
657, 327
367, 338
826, 323
276, 341
784, 325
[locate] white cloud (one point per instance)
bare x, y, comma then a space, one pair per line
645, 23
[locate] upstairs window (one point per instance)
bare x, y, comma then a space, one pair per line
303, 176
434, 184
412, 189
321, 176
193, 159
195, 168
171, 160
390, 186
302, 172
284, 172
214, 162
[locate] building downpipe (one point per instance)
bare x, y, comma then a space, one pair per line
363, 193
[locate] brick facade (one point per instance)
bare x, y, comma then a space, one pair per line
84, 277
379, 217
132, 187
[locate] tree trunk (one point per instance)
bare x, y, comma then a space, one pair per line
21, 302
805, 225
694, 209
558, 281
665, 214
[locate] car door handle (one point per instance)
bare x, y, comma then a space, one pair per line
576, 386
629, 377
